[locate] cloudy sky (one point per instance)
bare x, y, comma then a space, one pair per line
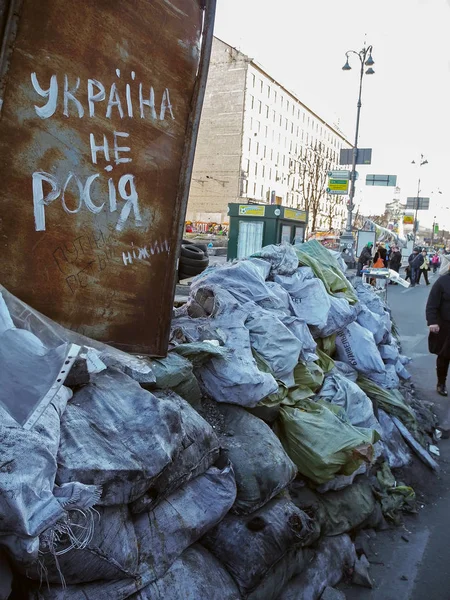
405, 105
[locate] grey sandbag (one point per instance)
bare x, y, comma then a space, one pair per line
196, 575
388, 380
110, 553
397, 452
357, 405
119, 436
261, 466
341, 314
177, 522
250, 547
333, 556
367, 295
171, 370
310, 299
378, 325
27, 503
356, 347
301, 331
198, 451
282, 258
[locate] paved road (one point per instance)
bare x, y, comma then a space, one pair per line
419, 568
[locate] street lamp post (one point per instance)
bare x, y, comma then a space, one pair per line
366, 60
421, 163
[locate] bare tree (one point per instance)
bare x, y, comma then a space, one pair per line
333, 204
312, 165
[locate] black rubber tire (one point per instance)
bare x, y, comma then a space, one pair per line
193, 262
203, 247
192, 252
191, 271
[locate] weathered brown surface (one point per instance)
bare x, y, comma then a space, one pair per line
80, 268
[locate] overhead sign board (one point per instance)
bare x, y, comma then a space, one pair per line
363, 157
251, 210
342, 174
418, 203
383, 180
296, 215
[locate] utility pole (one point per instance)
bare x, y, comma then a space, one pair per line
421, 163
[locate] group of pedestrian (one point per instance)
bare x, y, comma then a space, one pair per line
382, 259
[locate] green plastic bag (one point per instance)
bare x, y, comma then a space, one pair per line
319, 443
391, 401
309, 375
277, 397
325, 362
325, 266
327, 344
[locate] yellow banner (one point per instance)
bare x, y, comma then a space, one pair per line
408, 220
248, 210
296, 215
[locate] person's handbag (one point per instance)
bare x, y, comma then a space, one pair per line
378, 264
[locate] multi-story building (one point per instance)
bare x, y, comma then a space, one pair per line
253, 144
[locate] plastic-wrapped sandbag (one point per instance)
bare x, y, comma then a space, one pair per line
177, 522
368, 296
401, 371
357, 406
320, 444
114, 415
261, 265
199, 451
251, 547
283, 258
389, 400
388, 380
310, 300
27, 503
261, 466
346, 370
196, 575
333, 557
340, 261
389, 352
326, 268
355, 346
397, 451
341, 314
277, 345
378, 325
302, 332
279, 302
110, 552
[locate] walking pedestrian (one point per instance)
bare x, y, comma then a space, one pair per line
364, 258
424, 268
395, 261
435, 262
438, 321
415, 261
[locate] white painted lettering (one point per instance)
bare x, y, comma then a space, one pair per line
117, 149
150, 102
132, 201
95, 148
112, 196
70, 95
165, 105
127, 258
40, 201
48, 110
129, 104
87, 195
114, 100
80, 194
98, 97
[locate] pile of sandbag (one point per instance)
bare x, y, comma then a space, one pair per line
220, 471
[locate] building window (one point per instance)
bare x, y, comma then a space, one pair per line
287, 105
254, 190
257, 148
292, 127
257, 126
263, 171
252, 101
256, 169
281, 120
245, 165
259, 106
271, 153
281, 101
268, 90
286, 124
265, 151
273, 115
270, 173
261, 85
262, 191
267, 111
249, 144
253, 80
266, 132
293, 110
244, 187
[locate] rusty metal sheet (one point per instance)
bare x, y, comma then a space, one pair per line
95, 117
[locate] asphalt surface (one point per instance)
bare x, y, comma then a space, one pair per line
412, 562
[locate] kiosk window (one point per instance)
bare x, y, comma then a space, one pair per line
299, 233
286, 234
250, 238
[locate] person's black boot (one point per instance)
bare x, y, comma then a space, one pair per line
441, 389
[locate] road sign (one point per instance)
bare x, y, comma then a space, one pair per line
384, 180
417, 203
408, 220
342, 174
337, 186
436, 229
363, 157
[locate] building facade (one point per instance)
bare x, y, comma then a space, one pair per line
258, 142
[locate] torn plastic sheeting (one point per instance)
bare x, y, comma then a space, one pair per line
388, 380
250, 547
30, 373
389, 352
53, 335
282, 258
401, 371
341, 314
346, 370
179, 521
357, 405
114, 415
110, 552
326, 268
320, 444
310, 300
334, 555
199, 451
261, 466
355, 346
27, 503
389, 400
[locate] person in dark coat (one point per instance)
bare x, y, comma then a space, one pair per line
364, 258
395, 261
415, 261
438, 321
381, 253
